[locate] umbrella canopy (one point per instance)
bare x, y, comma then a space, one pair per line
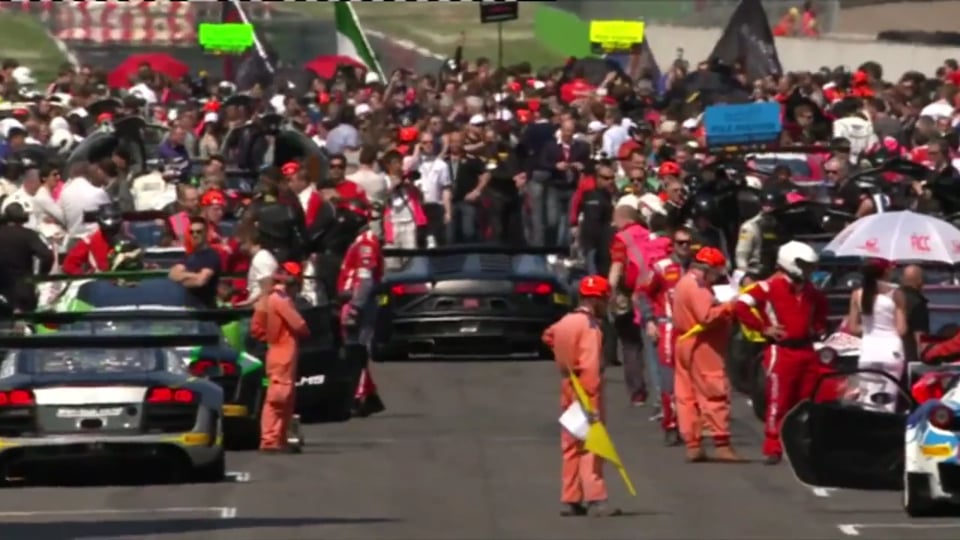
326, 65
159, 62
899, 236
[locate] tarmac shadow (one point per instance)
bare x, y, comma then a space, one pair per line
68, 530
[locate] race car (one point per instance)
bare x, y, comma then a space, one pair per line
327, 374
74, 399
467, 302
848, 442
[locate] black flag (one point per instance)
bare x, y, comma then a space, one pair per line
251, 67
748, 40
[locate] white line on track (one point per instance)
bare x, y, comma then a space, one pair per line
821, 492
222, 510
228, 512
240, 477
853, 529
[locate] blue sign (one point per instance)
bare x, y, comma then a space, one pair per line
750, 123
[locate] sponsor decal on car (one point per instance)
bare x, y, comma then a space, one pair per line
89, 413
314, 380
235, 410
937, 450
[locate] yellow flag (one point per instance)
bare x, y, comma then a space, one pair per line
598, 440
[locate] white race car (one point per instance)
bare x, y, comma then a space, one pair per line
838, 440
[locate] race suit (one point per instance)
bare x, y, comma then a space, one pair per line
701, 385
757, 247
629, 250
277, 322
90, 254
361, 272
659, 289
576, 340
791, 363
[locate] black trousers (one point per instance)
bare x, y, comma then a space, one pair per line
435, 225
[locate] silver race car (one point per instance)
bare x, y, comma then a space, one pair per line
110, 401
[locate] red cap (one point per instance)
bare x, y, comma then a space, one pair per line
213, 198
292, 268
104, 117
594, 286
290, 168
711, 256
408, 134
668, 168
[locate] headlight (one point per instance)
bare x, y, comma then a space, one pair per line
828, 355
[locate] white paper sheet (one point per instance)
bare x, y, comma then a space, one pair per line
575, 421
725, 293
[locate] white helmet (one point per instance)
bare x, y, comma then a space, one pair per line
630, 200
792, 253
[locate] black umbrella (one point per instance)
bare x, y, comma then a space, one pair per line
708, 88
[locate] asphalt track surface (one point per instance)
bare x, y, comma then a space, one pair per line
466, 451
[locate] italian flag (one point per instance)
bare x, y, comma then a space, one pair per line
351, 42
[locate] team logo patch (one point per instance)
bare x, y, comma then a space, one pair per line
366, 251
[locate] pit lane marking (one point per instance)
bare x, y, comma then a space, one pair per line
853, 529
822, 492
225, 512
239, 477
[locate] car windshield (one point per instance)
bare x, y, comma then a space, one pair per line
184, 327
89, 361
799, 167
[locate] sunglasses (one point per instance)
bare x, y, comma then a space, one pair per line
682, 242
338, 165
196, 231
606, 177
831, 171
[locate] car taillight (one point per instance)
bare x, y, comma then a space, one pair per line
533, 288
16, 398
408, 288
163, 394
941, 417
205, 368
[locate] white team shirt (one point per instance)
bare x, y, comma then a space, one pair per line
434, 178
262, 265
79, 196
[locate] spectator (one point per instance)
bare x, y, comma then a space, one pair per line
917, 311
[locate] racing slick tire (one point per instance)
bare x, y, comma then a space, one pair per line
758, 393
213, 472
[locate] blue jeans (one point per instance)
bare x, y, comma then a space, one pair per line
463, 224
549, 211
651, 359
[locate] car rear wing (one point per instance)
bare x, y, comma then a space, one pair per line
143, 314
139, 216
71, 341
136, 275
475, 250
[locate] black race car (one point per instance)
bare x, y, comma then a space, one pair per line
467, 302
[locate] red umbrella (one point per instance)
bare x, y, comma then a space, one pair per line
326, 65
159, 62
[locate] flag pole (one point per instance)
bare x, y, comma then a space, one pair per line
261, 51
363, 36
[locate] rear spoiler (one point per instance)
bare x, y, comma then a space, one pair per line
475, 250
142, 215
71, 341
67, 317
130, 276
824, 237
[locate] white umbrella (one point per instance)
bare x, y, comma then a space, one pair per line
899, 236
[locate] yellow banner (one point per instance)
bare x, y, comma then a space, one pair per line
616, 35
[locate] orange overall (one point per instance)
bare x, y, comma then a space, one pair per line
702, 389
576, 341
277, 322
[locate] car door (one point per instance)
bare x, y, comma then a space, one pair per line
837, 440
